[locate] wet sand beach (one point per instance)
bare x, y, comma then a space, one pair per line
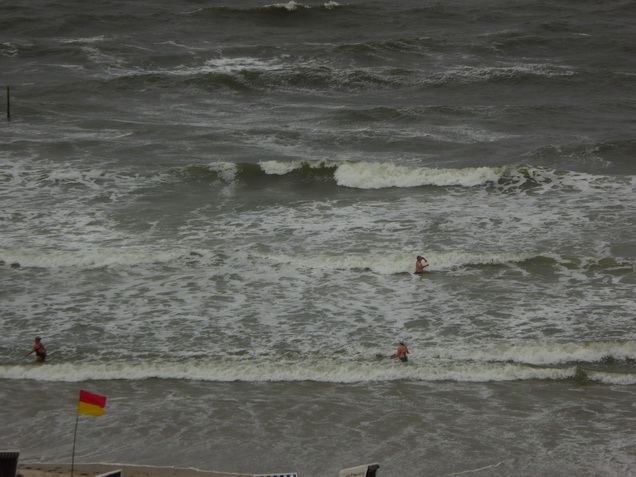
92, 470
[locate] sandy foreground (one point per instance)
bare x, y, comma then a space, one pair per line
92, 470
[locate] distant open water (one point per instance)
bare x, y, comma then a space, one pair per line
211, 213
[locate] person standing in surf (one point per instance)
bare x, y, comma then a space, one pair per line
39, 350
401, 353
419, 266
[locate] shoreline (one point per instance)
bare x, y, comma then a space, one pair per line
92, 470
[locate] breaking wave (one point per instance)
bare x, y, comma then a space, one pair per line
601, 362
370, 175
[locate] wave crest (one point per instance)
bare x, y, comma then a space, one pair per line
537, 361
373, 175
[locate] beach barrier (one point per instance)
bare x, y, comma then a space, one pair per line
8, 463
368, 470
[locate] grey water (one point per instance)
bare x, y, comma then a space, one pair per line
211, 211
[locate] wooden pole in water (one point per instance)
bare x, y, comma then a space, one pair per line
8, 103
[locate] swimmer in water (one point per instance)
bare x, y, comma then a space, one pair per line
419, 266
401, 353
39, 350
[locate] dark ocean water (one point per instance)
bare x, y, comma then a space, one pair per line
211, 213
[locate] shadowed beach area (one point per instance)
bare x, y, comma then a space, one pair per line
92, 470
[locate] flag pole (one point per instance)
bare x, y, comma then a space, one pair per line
74, 439
91, 404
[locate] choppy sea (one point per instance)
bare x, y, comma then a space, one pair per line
210, 213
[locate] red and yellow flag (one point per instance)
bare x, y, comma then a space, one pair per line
91, 404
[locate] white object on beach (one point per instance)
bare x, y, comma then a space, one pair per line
368, 470
293, 474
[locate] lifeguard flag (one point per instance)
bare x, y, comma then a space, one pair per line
91, 404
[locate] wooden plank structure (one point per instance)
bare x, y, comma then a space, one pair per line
9, 463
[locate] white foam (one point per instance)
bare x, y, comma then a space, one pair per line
391, 263
486, 73
618, 379
290, 6
117, 68
279, 168
540, 353
226, 170
93, 39
376, 176
323, 370
9, 49
87, 258
482, 363
230, 65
